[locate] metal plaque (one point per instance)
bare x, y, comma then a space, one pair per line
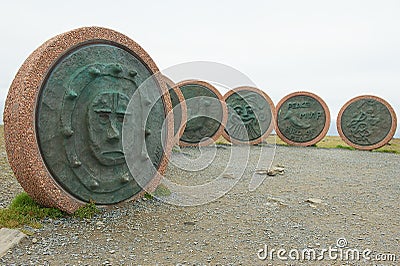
367, 122
80, 112
250, 115
302, 119
206, 113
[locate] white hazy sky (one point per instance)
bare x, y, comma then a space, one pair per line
336, 49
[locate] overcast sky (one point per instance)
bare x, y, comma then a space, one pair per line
336, 49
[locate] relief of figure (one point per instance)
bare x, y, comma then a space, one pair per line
105, 118
101, 122
246, 113
94, 109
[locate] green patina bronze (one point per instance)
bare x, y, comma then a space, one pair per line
301, 118
177, 109
79, 116
249, 115
205, 113
366, 122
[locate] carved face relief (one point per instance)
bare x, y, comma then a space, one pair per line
80, 113
105, 118
249, 115
245, 112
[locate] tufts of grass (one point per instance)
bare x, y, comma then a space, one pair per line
26, 205
148, 196
222, 141
24, 211
345, 147
87, 211
388, 151
162, 191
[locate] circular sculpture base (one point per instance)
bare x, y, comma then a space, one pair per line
303, 119
206, 113
251, 115
367, 122
64, 114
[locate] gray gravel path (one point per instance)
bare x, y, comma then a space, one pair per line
324, 195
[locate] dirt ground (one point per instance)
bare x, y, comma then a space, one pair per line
329, 207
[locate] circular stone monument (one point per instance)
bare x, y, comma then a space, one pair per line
64, 114
366, 122
206, 113
250, 115
179, 108
303, 119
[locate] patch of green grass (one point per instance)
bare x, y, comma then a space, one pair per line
24, 211
222, 141
27, 232
162, 191
282, 144
87, 211
344, 147
148, 196
388, 151
335, 142
25, 204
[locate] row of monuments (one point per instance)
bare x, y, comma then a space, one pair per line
89, 117
365, 122
301, 118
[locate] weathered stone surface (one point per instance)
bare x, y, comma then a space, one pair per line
206, 113
8, 239
64, 114
303, 119
367, 122
179, 108
251, 115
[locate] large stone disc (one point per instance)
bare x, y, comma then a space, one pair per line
303, 119
64, 114
206, 113
179, 108
366, 122
251, 115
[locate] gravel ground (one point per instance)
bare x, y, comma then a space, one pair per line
324, 195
